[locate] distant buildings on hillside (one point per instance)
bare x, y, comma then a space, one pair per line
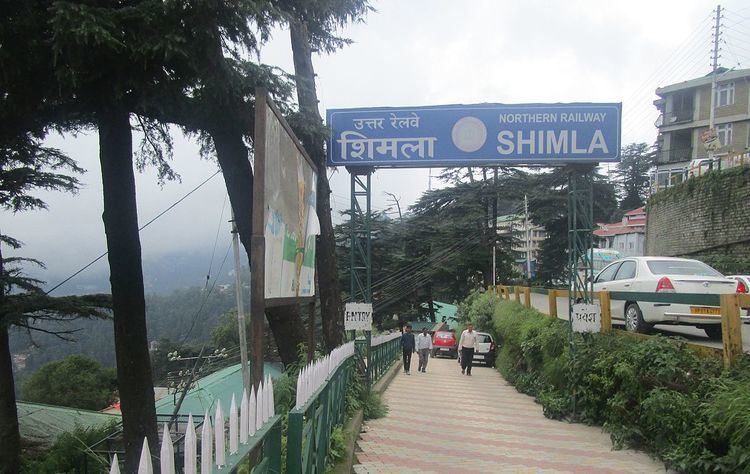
526, 243
627, 236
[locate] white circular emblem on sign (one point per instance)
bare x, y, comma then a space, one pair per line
469, 134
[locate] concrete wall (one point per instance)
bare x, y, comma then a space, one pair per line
707, 218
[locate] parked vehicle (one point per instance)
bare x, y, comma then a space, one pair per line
444, 344
745, 279
665, 275
485, 350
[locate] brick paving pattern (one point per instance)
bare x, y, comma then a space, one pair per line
445, 422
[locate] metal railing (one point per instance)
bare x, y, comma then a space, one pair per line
311, 424
383, 351
729, 305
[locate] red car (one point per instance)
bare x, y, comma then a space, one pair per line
444, 343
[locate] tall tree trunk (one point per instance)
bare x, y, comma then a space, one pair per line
10, 439
126, 279
285, 322
325, 256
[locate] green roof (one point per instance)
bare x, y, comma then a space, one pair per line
44, 423
219, 385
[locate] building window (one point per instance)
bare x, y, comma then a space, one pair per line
630, 245
725, 94
724, 132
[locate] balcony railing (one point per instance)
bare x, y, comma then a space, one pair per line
677, 116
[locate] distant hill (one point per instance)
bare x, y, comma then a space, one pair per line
179, 306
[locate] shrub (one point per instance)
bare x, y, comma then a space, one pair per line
654, 394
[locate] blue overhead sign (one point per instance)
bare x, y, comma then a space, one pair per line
478, 135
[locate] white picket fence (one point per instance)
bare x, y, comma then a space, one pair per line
380, 339
254, 412
314, 374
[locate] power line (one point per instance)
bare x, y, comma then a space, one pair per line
140, 229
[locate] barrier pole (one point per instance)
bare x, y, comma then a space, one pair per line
606, 306
731, 328
527, 297
552, 302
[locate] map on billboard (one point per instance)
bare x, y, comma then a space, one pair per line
481, 135
289, 217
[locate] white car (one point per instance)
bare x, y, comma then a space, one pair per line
665, 275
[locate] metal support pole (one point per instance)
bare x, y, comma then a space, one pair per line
360, 278
241, 326
714, 67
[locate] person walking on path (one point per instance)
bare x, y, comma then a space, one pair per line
408, 346
466, 345
424, 346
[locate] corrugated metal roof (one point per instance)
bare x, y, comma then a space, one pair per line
219, 385
41, 423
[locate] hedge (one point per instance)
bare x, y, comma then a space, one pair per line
655, 394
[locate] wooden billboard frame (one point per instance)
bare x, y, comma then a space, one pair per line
259, 302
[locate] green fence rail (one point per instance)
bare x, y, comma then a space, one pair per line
269, 446
310, 425
384, 350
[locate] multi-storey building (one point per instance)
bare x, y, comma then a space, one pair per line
515, 226
685, 109
627, 236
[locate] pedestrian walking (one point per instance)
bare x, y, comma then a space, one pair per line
408, 346
466, 345
424, 346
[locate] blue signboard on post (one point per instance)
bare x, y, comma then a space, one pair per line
478, 135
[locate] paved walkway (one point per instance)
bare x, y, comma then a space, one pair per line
444, 422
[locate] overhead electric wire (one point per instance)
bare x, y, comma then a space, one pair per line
139, 229
408, 270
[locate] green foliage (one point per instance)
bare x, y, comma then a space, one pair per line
68, 454
358, 397
336, 448
76, 381
653, 394
631, 174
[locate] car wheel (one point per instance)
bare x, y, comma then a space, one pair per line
713, 331
634, 319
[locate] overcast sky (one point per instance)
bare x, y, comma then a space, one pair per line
411, 54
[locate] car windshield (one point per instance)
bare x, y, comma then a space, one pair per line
483, 338
681, 267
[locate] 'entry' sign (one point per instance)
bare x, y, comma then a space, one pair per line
587, 318
358, 316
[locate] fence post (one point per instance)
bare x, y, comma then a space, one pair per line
517, 291
731, 328
527, 297
294, 443
606, 306
272, 447
552, 303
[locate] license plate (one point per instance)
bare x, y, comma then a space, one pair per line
477, 356
705, 310
444, 349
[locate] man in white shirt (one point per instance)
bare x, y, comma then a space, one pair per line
466, 345
424, 346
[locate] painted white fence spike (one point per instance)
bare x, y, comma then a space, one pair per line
297, 403
244, 415
145, 466
219, 435
190, 453
166, 454
259, 408
251, 412
115, 467
233, 427
207, 445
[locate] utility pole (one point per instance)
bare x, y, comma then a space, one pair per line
527, 239
714, 65
240, 307
494, 231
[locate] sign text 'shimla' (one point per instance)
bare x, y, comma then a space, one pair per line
481, 134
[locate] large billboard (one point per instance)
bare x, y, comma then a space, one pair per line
285, 186
478, 135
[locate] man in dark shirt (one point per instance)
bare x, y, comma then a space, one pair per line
408, 346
